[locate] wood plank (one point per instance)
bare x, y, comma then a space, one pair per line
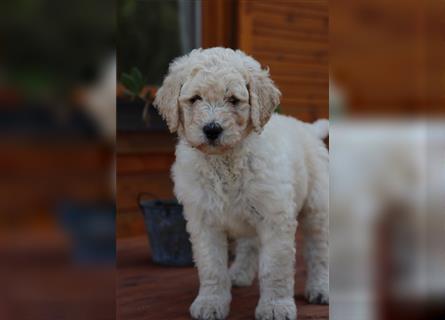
145, 142
306, 115
144, 163
279, 65
218, 23
302, 92
245, 25
293, 20
292, 46
314, 7
297, 57
302, 81
34, 159
304, 103
267, 29
291, 38
40, 279
148, 291
129, 186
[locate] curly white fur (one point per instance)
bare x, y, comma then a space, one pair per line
251, 184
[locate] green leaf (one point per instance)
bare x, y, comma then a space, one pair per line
134, 81
139, 78
130, 84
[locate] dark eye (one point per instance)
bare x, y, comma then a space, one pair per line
233, 100
194, 99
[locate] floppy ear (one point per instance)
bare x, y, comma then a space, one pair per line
166, 100
264, 97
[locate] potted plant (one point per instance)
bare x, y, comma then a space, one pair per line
135, 111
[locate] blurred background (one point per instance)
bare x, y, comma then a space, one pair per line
387, 159
57, 128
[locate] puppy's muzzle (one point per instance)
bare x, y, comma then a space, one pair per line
212, 131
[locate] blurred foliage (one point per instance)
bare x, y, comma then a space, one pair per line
147, 37
134, 83
50, 46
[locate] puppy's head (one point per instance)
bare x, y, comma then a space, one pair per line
215, 97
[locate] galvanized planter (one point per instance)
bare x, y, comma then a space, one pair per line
166, 228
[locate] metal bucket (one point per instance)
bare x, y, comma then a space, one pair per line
166, 229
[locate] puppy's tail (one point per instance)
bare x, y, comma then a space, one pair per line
320, 128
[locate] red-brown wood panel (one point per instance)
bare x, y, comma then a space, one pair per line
143, 164
291, 38
388, 55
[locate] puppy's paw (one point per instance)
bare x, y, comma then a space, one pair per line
317, 293
241, 278
279, 309
210, 307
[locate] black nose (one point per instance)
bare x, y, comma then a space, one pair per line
212, 130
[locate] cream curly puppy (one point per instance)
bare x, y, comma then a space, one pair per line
244, 173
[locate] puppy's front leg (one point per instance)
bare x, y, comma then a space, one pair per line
211, 257
276, 272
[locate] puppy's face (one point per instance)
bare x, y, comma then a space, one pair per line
215, 97
214, 110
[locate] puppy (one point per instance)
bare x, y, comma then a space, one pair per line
244, 173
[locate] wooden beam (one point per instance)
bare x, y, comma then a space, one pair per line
219, 23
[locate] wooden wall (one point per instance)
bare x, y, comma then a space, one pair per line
388, 55
143, 166
40, 176
291, 38
219, 23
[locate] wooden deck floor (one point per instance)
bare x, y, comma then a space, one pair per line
150, 292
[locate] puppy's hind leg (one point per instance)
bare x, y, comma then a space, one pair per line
245, 266
314, 222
